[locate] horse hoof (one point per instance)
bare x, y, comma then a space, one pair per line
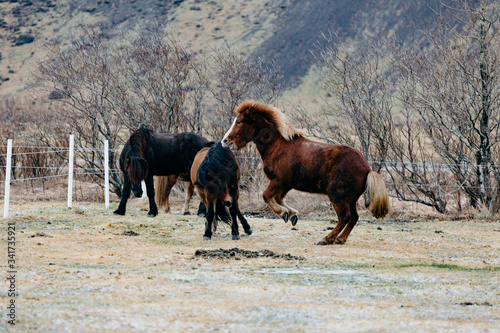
322, 243
118, 213
285, 217
186, 213
205, 238
248, 232
294, 220
236, 237
151, 215
339, 241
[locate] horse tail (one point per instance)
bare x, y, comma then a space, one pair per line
378, 195
161, 195
221, 212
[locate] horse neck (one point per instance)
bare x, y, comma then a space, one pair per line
135, 153
138, 144
274, 146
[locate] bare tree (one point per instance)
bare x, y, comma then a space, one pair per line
454, 88
360, 93
150, 79
161, 77
81, 77
234, 79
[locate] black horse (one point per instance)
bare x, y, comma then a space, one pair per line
216, 174
147, 154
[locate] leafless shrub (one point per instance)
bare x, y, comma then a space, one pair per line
360, 111
453, 87
84, 74
156, 78
427, 115
234, 79
150, 79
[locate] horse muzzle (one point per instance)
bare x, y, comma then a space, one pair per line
226, 143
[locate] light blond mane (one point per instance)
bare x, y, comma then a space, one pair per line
287, 131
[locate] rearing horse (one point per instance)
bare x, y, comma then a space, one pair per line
292, 161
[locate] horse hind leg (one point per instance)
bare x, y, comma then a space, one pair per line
344, 216
342, 238
189, 195
244, 223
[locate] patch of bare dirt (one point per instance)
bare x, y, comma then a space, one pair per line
236, 253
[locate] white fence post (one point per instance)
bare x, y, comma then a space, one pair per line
8, 170
144, 190
106, 173
70, 169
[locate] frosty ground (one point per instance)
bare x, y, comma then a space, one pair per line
87, 270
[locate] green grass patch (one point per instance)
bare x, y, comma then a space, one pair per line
450, 267
88, 266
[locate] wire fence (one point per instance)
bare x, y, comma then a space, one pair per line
32, 163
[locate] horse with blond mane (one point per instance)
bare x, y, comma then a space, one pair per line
291, 161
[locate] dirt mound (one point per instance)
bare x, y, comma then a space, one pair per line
237, 254
130, 233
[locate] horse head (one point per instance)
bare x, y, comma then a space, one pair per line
136, 168
137, 189
242, 131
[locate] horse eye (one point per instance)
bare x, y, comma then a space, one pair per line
238, 122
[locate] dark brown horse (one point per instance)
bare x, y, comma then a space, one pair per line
147, 154
216, 175
293, 162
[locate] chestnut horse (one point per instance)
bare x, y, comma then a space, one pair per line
216, 174
147, 154
292, 161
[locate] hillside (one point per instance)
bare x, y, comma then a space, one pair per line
282, 31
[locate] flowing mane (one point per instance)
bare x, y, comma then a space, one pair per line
287, 130
139, 140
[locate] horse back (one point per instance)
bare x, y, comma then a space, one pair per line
174, 153
316, 167
198, 159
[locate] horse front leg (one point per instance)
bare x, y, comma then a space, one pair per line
189, 195
125, 195
150, 190
269, 197
293, 212
210, 220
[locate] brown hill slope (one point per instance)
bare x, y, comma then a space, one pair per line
282, 31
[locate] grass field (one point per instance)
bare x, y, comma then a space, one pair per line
90, 271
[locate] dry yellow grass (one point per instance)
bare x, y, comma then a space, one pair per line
78, 270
